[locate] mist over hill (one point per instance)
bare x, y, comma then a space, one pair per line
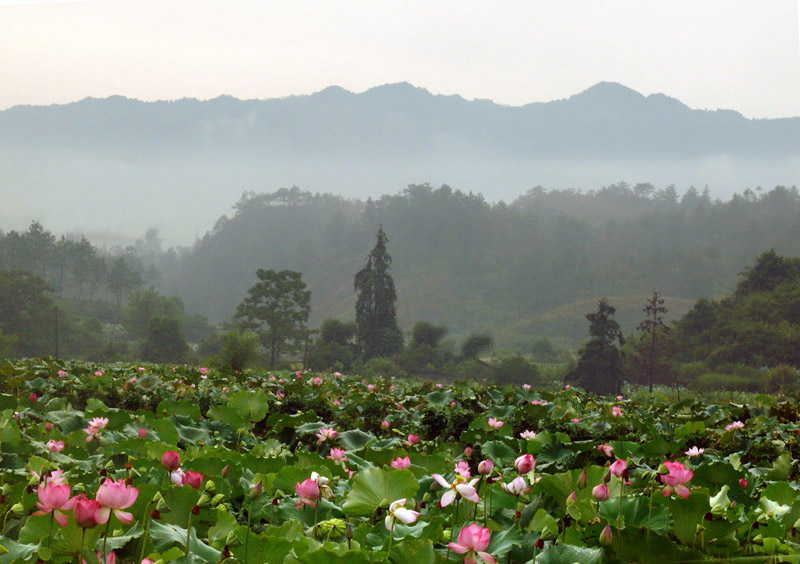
115, 167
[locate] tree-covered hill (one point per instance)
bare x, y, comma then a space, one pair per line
519, 270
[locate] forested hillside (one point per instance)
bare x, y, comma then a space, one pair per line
529, 268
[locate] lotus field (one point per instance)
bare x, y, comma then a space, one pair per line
129, 463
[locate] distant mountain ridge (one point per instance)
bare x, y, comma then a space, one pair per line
607, 120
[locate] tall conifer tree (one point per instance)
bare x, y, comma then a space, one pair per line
376, 319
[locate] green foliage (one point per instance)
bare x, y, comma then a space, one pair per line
476, 344
516, 370
164, 341
334, 348
26, 314
277, 308
376, 320
599, 368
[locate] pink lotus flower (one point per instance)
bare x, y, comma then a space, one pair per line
734, 426
459, 487
337, 373
54, 498
317, 381
620, 398
33, 397
48, 427
576, 419
616, 411
371, 388
526, 386
453, 403
600, 492
385, 424
605, 536
85, 511
98, 373
401, 463
114, 496
111, 558
203, 370
141, 370
412, 440
142, 433
325, 434
678, 475
567, 386
337, 455
56, 477
606, 449
742, 483
517, 486
473, 541
525, 463
694, 451
62, 373
462, 469
193, 479
468, 451
308, 492
495, 423
337, 403
176, 476
398, 512
55, 446
485, 467
95, 426
171, 460
527, 435
618, 468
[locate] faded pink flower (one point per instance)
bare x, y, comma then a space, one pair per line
95, 426
459, 487
338, 455
576, 420
734, 426
412, 440
618, 468
398, 512
62, 373
495, 423
326, 433
308, 492
203, 370
616, 411
517, 486
401, 463
317, 381
462, 469
606, 449
527, 435
55, 446
371, 388
694, 451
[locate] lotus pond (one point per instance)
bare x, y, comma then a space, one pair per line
151, 463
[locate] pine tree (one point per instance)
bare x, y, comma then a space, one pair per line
376, 321
599, 369
653, 327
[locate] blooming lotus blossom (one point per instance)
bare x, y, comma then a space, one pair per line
62, 373
308, 491
734, 426
203, 370
317, 381
55, 446
616, 411
459, 487
694, 451
141, 370
678, 475
539, 402
95, 426
462, 469
517, 486
325, 434
618, 468
401, 463
193, 479
171, 460
576, 419
412, 440
526, 386
98, 373
54, 498
525, 463
115, 496
85, 511
495, 423
485, 467
398, 511
606, 449
473, 541
600, 492
338, 455
620, 398
527, 435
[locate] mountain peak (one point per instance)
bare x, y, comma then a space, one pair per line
604, 92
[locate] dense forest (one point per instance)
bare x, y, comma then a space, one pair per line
523, 274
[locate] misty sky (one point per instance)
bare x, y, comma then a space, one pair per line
709, 54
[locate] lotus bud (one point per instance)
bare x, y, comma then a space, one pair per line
605, 536
485, 467
226, 470
349, 532
17, 510
572, 498
600, 492
583, 479
256, 490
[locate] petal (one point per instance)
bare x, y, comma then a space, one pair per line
102, 515
442, 482
486, 557
406, 515
456, 547
682, 491
388, 522
124, 516
61, 519
447, 498
667, 491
